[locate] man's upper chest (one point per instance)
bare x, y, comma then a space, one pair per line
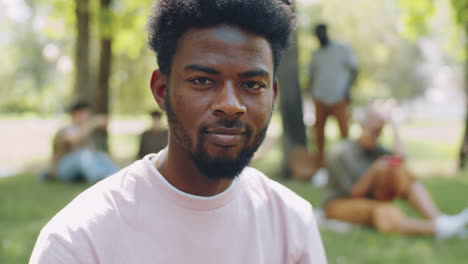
239, 234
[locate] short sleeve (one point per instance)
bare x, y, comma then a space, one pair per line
314, 252
49, 250
338, 174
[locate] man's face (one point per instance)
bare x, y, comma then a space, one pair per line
81, 116
371, 131
219, 97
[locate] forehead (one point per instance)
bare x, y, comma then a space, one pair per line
223, 44
82, 110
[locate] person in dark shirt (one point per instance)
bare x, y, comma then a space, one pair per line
364, 179
155, 138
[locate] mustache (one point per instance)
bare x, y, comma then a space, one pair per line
226, 123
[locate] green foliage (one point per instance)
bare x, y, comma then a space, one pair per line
26, 205
461, 8
415, 14
383, 34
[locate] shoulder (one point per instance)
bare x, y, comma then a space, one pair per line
342, 148
339, 45
290, 213
341, 48
266, 190
92, 218
64, 130
99, 208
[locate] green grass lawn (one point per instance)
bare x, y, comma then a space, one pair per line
26, 205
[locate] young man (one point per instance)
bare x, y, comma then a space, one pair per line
155, 138
365, 178
74, 156
332, 72
196, 201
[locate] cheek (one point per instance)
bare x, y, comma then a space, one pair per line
190, 109
260, 111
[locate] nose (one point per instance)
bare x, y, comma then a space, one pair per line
227, 103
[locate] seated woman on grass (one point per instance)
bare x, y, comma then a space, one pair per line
364, 179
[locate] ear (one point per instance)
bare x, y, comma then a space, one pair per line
276, 87
158, 87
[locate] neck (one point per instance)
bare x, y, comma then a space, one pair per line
324, 42
361, 142
187, 178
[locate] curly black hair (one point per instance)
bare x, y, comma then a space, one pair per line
170, 19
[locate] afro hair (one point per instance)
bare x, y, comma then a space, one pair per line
170, 19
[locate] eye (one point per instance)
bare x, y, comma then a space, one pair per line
254, 86
202, 81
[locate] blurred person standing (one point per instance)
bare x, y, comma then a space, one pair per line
74, 156
365, 178
332, 72
155, 138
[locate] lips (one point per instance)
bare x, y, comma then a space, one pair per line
225, 137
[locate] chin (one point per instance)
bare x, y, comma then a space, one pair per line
222, 165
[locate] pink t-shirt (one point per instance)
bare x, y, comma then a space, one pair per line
136, 216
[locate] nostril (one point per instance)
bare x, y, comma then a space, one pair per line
227, 114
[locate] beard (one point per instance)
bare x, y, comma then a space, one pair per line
220, 167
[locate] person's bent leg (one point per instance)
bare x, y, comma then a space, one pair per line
397, 181
420, 200
68, 167
352, 210
96, 166
392, 182
384, 216
388, 218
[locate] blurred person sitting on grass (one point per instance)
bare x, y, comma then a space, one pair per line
155, 138
74, 157
365, 178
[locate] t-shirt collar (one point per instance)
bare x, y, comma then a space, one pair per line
188, 200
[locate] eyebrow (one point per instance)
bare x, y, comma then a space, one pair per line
254, 73
201, 68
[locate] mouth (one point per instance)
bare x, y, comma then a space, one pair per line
225, 137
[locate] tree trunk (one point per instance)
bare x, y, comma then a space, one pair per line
463, 155
82, 89
105, 61
102, 93
294, 134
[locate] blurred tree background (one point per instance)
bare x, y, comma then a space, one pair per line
56, 51
402, 47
